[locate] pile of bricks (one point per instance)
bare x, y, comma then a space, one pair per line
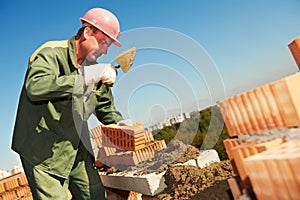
125, 145
15, 187
265, 166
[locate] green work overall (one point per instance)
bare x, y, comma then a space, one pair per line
51, 133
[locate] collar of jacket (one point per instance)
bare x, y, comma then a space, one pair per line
72, 52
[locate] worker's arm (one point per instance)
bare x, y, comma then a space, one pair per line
45, 81
106, 111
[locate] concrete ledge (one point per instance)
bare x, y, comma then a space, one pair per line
149, 184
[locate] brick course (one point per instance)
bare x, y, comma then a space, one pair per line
109, 156
275, 105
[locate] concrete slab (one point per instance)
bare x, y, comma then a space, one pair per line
152, 184
207, 157
149, 184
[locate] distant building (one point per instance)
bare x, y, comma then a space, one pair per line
169, 121
187, 115
17, 169
4, 173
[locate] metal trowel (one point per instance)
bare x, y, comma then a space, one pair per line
125, 59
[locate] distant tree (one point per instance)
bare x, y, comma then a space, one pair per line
202, 130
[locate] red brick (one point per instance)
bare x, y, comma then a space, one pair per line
294, 47
237, 108
97, 134
274, 173
233, 119
225, 114
235, 187
250, 112
229, 144
260, 180
246, 150
272, 105
22, 180
11, 195
286, 93
2, 189
131, 157
23, 191
11, 184
245, 116
266, 112
126, 138
258, 110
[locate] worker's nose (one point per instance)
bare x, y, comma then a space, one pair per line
103, 47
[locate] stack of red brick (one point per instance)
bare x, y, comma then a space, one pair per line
267, 168
15, 187
125, 145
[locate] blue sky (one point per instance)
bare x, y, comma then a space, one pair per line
190, 53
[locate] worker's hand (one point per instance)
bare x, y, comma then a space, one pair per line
109, 76
99, 72
125, 122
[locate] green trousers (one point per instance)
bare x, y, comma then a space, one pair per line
83, 181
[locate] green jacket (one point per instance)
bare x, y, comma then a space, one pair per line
54, 107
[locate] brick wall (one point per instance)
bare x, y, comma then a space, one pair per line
271, 106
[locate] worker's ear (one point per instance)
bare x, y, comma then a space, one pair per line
87, 32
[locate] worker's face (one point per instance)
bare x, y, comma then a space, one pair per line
98, 44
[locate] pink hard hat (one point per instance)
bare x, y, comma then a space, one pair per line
105, 21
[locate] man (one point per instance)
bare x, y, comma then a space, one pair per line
61, 90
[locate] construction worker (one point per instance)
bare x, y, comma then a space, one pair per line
63, 86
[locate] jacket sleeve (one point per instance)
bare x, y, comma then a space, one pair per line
44, 79
106, 111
